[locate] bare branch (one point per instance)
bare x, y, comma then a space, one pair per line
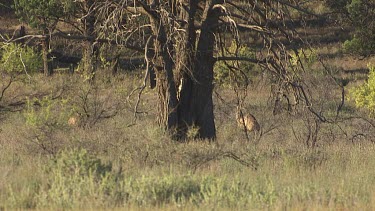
238, 58
143, 86
6, 87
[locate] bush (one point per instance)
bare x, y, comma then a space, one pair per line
75, 176
337, 5
50, 112
364, 95
17, 59
44, 118
6, 6
307, 57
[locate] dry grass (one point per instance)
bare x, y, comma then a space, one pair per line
150, 171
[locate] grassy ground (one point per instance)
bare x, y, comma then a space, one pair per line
112, 163
339, 177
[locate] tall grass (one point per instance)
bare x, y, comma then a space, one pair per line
116, 164
336, 177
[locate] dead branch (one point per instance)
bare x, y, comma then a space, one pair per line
144, 84
227, 154
6, 87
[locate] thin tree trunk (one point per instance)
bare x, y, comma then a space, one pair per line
47, 67
89, 57
90, 49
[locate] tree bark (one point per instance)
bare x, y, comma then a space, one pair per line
185, 66
89, 57
90, 49
163, 66
47, 67
196, 106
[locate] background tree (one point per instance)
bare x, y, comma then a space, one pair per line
44, 16
362, 15
81, 15
359, 14
338, 6
6, 6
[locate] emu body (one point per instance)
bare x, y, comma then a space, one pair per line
247, 120
73, 121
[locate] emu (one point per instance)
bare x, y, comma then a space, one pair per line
73, 121
247, 120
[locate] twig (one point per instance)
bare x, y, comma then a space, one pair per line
143, 86
6, 87
238, 159
24, 67
230, 155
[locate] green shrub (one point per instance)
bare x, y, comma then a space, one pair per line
307, 57
362, 18
45, 119
40, 14
358, 46
242, 71
337, 5
364, 95
75, 177
49, 112
17, 59
358, 15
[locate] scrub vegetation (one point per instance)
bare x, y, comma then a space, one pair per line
87, 123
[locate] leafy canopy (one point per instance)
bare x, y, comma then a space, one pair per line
360, 14
41, 14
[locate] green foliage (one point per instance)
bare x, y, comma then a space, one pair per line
307, 57
50, 113
42, 14
337, 5
16, 59
360, 14
74, 179
364, 95
74, 175
358, 46
241, 72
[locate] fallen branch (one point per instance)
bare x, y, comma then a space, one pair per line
230, 155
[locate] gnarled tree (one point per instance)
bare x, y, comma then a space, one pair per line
187, 37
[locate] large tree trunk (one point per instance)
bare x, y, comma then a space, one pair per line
185, 65
163, 66
196, 106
